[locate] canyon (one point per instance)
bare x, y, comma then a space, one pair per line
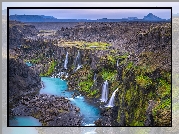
133, 57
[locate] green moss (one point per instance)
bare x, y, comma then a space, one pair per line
111, 59
85, 86
94, 93
124, 56
51, 69
109, 75
102, 45
165, 104
164, 89
129, 66
143, 81
131, 93
157, 89
87, 45
34, 61
162, 112
137, 123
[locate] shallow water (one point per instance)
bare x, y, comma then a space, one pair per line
56, 86
24, 121
28, 64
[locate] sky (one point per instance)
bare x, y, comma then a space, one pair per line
93, 13
174, 5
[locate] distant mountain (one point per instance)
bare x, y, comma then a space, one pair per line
33, 18
151, 17
43, 18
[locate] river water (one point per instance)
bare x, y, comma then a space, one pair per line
58, 87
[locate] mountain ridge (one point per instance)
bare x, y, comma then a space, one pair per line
43, 18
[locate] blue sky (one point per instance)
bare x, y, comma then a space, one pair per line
93, 13
89, 14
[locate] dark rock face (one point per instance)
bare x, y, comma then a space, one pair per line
22, 81
50, 110
108, 117
157, 38
49, 26
119, 71
149, 121
17, 31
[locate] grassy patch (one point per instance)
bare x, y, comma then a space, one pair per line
51, 68
143, 81
34, 61
85, 86
109, 75
164, 89
86, 45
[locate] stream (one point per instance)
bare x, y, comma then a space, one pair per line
58, 87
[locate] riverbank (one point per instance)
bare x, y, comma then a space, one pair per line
50, 110
140, 67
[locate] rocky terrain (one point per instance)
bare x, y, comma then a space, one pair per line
52, 25
50, 110
134, 57
123, 36
24, 98
17, 31
22, 81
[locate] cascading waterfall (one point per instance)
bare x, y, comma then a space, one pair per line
78, 61
95, 80
95, 77
104, 96
117, 64
66, 61
111, 101
66, 76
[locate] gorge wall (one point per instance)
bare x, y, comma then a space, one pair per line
23, 81
143, 72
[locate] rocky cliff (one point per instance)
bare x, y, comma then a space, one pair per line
18, 31
23, 81
142, 72
25, 84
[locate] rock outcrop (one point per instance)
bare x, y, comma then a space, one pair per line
49, 109
18, 31
23, 81
141, 74
108, 117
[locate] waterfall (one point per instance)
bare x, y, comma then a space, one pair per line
111, 101
104, 96
95, 77
66, 61
66, 76
117, 64
78, 61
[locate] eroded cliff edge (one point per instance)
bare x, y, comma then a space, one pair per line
138, 63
